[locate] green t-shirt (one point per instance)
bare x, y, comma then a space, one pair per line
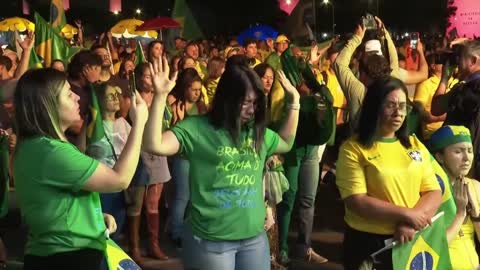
226, 189
49, 176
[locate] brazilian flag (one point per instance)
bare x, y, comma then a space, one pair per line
183, 14
117, 258
57, 15
95, 131
49, 45
427, 251
139, 55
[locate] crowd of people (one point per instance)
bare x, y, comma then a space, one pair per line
227, 124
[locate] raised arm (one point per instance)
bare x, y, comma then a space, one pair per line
26, 45
392, 50
105, 179
441, 97
154, 141
289, 129
418, 76
353, 88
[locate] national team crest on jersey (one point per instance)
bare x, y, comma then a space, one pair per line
415, 155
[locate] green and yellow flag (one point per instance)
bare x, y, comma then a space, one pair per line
182, 14
95, 130
427, 251
118, 259
139, 55
35, 61
50, 45
57, 15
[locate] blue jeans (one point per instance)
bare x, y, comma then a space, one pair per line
114, 204
180, 176
303, 175
247, 254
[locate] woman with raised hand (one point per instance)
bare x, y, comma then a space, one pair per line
227, 149
57, 185
186, 100
384, 176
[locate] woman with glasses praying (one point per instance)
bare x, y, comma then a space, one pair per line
385, 177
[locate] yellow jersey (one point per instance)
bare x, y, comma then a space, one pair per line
463, 255
387, 171
424, 95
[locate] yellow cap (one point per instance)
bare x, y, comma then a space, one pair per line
281, 38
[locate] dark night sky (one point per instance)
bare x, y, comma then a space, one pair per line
222, 16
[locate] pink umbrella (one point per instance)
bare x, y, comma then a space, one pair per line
158, 23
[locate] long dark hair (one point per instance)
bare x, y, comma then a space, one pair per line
150, 47
372, 109
185, 79
231, 92
261, 69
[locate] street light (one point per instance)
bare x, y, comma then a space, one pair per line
138, 11
326, 2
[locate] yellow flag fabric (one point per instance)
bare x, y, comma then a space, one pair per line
117, 258
50, 45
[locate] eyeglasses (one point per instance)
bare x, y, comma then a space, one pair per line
113, 96
391, 106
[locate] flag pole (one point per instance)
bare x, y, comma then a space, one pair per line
112, 70
141, 49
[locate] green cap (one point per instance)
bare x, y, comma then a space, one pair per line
448, 135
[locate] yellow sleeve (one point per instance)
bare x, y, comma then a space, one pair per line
422, 93
350, 175
429, 180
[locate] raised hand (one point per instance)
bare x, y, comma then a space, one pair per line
380, 24
28, 42
288, 87
360, 31
160, 72
138, 110
314, 55
78, 23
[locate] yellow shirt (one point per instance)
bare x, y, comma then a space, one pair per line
339, 100
424, 95
387, 171
463, 255
257, 62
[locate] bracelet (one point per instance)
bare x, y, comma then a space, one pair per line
293, 106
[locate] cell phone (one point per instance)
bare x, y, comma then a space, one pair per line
369, 22
414, 40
